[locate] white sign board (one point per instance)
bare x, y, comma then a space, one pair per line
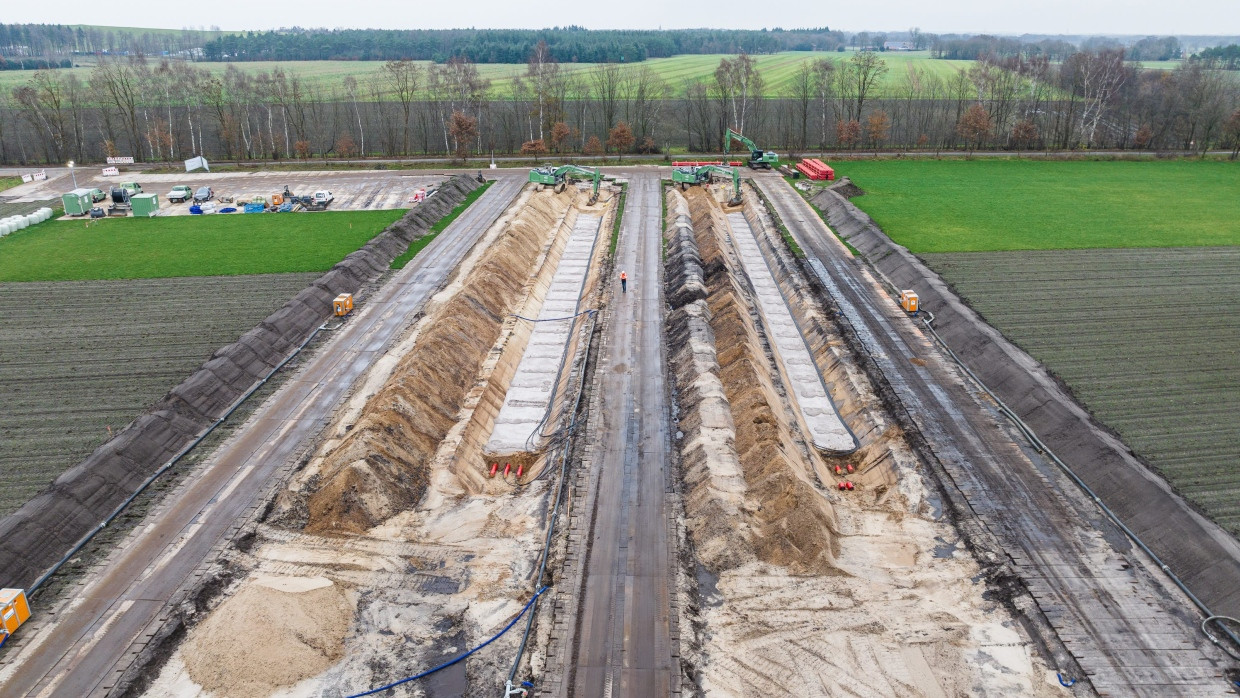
111, 172
195, 163
40, 175
127, 160
27, 178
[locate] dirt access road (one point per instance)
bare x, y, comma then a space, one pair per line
1129, 633
84, 653
622, 641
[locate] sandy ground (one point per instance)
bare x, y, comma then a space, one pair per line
901, 611
426, 580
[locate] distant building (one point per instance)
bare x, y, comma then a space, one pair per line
897, 46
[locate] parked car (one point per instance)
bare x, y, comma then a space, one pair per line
180, 194
132, 187
203, 194
97, 195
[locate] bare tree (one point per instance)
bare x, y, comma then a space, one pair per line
607, 79
543, 74
739, 85
1231, 133
403, 78
804, 91
42, 100
119, 82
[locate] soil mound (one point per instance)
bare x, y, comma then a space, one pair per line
793, 526
846, 188
383, 466
274, 632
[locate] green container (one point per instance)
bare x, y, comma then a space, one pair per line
77, 202
144, 205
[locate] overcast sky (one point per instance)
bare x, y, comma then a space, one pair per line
939, 16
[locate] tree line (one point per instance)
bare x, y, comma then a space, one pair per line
567, 45
169, 110
33, 46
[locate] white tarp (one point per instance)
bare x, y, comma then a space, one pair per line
195, 163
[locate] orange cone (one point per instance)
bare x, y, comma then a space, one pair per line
494, 467
507, 469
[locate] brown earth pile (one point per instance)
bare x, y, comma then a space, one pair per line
714, 489
795, 523
46, 527
382, 466
273, 633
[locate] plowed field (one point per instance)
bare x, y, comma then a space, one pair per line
80, 356
1148, 339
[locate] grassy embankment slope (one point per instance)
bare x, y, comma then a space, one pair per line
1123, 278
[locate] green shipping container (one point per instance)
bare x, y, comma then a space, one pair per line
77, 202
144, 205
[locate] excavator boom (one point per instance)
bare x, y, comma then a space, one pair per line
757, 156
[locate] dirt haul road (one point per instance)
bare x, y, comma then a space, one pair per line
1130, 633
622, 640
86, 650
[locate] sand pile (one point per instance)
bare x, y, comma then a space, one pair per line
732, 413
714, 487
273, 633
382, 466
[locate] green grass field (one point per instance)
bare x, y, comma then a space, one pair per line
1001, 204
777, 70
219, 245
9, 182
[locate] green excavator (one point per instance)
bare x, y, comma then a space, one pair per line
757, 156
558, 177
692, 176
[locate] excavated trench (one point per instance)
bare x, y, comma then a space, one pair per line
424, 553
804, 589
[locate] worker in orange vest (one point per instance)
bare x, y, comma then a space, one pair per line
624, 282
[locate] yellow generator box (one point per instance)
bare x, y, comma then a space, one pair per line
908, 301
343, 304
13, 609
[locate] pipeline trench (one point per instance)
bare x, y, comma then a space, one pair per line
744, 475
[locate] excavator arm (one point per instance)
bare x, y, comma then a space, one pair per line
595, 175
734, 136
709, 170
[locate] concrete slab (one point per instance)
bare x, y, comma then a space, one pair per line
826, 430
530, 392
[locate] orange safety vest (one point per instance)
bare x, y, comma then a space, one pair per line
624, 276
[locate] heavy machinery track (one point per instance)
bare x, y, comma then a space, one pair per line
1129, 633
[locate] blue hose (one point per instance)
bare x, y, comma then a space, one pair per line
1069, 684
450, 662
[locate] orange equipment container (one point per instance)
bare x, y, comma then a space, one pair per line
909, 301
277, 199
14, 610
343, 304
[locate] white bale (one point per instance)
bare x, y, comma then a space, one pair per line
5, 228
